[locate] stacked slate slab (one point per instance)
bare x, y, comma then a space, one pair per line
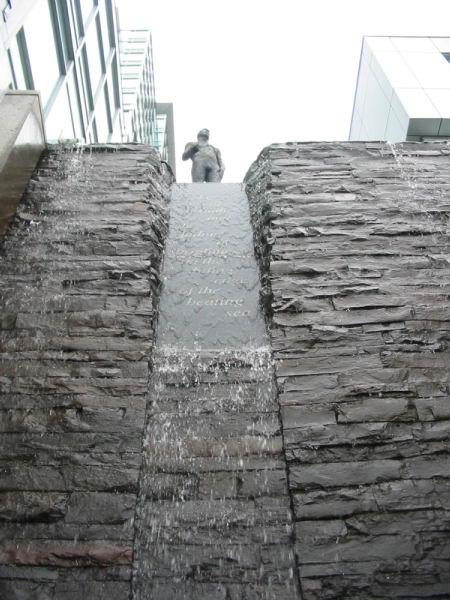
353, 244
79, 272
214, 519
214, 516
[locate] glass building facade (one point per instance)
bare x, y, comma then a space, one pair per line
68, 51
138, 86
162, 136
403, 89
166, 133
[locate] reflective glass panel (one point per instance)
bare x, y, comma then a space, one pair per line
74, 105
112, 89
83, 88
62, 10
93, 56
117, 129
6, 79
41, 49
6, 72
17, 65
58, 124
86, 7
101, 119
104, 22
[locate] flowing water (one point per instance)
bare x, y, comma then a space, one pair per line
214, 517
424, 193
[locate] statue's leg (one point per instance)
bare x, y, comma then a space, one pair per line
213, 175
198, 172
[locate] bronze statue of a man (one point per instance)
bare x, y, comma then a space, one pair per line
207, 163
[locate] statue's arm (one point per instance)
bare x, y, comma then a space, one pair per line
220, 161
189, 151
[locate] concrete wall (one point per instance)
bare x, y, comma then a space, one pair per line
353, 245
22, 140
79, 272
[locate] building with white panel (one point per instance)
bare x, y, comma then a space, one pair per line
145, 120
67, 50
138, 86
403, 89
166, 133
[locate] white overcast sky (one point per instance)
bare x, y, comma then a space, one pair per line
256, 72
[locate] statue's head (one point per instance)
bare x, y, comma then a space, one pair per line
203, 135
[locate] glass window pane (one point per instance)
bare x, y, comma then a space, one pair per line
116, 135
17, 65
113, 89
58, 124
85, 106
62, 10
104, 22
93, 56
101, 119
109, 105
74, 105
41, 49
6, 72
86, 9
77, 19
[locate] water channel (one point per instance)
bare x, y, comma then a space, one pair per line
214, 517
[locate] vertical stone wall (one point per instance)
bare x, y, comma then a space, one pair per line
79, 279
353, 243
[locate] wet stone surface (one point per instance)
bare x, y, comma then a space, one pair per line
214, 516
79, 283
353, 242
171, 483
211, 282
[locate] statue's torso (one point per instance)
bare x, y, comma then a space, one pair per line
206, 154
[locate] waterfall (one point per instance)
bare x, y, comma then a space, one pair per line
213, 519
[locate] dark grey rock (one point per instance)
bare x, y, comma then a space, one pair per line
353, 245
353, 248
80, 281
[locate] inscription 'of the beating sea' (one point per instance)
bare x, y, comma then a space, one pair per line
211, 279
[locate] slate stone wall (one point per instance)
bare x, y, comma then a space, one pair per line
353, 243
79, 277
